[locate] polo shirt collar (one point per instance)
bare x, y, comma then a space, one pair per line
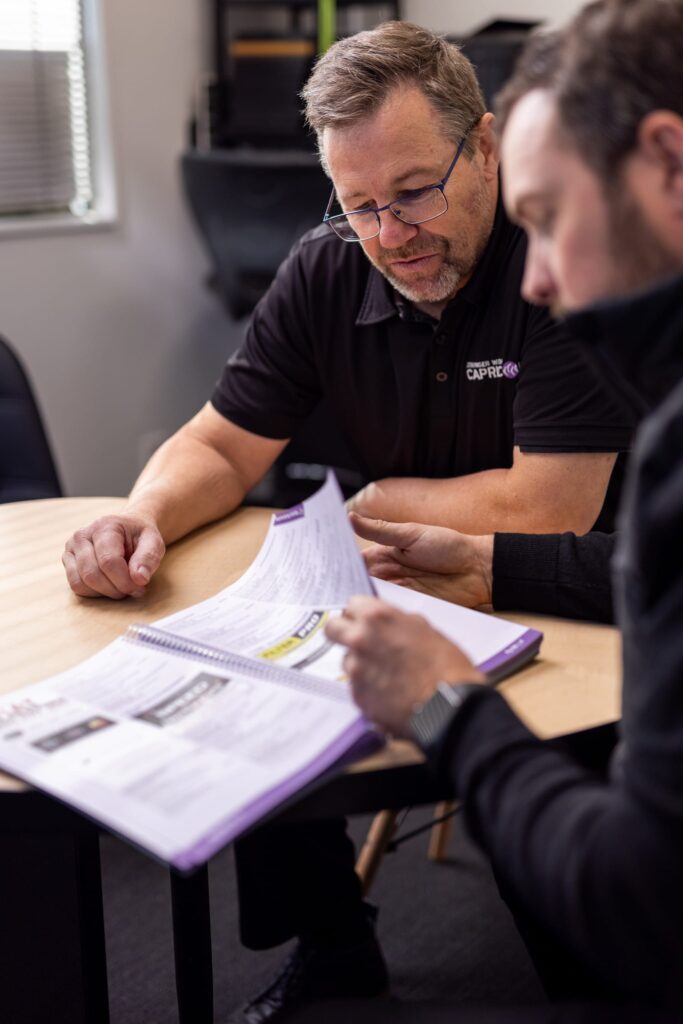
379, 302
478, 288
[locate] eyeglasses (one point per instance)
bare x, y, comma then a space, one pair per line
413, 207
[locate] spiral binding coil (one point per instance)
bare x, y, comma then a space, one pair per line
146, 635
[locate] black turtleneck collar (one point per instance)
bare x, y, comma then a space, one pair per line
637, 341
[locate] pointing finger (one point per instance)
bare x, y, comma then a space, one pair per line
399, 535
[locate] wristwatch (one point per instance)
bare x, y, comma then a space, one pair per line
429, 721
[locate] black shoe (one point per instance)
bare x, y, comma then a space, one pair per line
315, 973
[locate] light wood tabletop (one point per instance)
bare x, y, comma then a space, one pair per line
574, 684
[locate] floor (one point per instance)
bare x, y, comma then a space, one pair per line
445, 933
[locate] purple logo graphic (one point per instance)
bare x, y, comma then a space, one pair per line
295, 512
510, 370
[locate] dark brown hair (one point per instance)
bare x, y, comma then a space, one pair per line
614, 63
354, 77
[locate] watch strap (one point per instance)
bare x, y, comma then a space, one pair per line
430, 720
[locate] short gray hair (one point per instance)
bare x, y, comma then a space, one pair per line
356, 75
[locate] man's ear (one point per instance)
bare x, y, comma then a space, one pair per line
660, 141
487, 145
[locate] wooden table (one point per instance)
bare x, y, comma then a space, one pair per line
573, 685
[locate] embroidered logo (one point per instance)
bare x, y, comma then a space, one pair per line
491, 369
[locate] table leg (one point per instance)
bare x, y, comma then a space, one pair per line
52, 949
192, 946
91, 921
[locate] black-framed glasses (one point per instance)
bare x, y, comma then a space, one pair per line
413, 207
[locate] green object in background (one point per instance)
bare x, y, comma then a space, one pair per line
327, 27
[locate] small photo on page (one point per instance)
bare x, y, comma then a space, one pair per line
184, 700
57, 740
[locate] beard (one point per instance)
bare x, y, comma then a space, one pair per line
435, 287
634, 257
638, 255
459, 255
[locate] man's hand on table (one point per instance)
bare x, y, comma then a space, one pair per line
433, 559
114, 556
395, 661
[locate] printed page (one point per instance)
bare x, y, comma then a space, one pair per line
490, 643
310, 552
309, 555
291, 635
175, 755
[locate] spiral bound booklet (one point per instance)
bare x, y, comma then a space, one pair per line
181, 735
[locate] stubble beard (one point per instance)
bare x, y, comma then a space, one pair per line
634, 255
638, 255
437, 287
459, 256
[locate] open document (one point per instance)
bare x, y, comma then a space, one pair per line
182, 734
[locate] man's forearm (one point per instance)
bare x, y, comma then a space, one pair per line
185, 485
486, 502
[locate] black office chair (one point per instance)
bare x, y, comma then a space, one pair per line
27, 469
250, 207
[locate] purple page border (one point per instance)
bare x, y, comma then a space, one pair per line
515, 651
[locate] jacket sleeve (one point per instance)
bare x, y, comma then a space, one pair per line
554, 574
587, 861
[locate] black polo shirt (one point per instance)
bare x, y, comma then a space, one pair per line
414, 396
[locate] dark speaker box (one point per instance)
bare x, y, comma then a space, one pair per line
267, 77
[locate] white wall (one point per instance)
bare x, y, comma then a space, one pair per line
121, 338
119, 333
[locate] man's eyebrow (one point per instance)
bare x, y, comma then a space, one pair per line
520, 202
427, 171
430, 172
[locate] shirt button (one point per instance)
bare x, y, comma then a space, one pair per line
441, 377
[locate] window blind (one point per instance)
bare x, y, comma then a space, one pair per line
44, 143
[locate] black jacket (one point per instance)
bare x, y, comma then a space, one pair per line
556, 574
598, 865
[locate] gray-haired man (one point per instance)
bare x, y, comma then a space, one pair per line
464, 404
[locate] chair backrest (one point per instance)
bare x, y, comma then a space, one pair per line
250, 207
27, 469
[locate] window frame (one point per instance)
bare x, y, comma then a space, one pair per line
104, 212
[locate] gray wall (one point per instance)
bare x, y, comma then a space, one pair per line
121, 337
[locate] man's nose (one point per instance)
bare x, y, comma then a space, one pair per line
538, 285
393, 232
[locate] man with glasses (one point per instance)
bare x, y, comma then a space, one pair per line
466, 405
411, 322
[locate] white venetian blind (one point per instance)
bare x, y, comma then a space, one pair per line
44, 145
